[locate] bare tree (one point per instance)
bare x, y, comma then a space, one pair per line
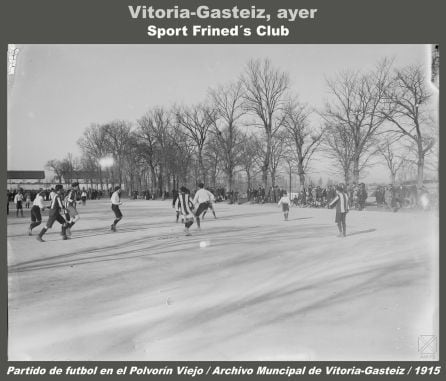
181, 156
227, 102
358, 100
93, 145
117, 138
158, 126
388, 152
55, 166
197, 121
338, 146
265, 88
213, 159
69, 166
249, 156
278, 148
303, 141
408, 110
148, 149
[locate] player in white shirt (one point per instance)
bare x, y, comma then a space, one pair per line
116, 201
285, 202
203, 199
211, 207
37, 208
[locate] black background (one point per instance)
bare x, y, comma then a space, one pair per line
109, 22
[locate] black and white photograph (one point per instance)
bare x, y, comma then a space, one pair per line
223, 202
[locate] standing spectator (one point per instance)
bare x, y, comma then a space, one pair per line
362, 196
28, 200
18, 201
84, 196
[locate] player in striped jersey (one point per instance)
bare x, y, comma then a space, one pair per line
186, 207
54, 215
71, 214
341, 202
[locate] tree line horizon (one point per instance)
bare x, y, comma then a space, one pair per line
258, 126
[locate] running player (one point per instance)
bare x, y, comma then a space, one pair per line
54, 215
37, 208
71, 214
211, 207
186, 207
116, 201
285, 202
202, 198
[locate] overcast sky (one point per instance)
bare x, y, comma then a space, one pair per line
59, 90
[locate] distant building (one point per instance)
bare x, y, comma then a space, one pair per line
25, 179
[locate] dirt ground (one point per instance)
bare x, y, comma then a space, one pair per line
249, 286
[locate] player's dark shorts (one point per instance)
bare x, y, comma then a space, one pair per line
54, 215
117, 211
19, 205
35, 214
72, 211
340, 217
202, 207
285, 207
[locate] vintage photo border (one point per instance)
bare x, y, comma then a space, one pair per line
340, 21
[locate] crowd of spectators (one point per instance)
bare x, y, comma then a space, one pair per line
30, 195
391, 197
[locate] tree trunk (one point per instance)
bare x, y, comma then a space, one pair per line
356, 170
420, 170
201, 166
347, 176
265, 166
248, 178
273, 178
100, 179
392, 177
301, 173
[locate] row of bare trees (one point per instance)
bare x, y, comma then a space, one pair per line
378, 114
256, 126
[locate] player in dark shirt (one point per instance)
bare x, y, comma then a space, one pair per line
54, 215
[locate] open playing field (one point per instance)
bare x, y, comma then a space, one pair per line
249, 286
